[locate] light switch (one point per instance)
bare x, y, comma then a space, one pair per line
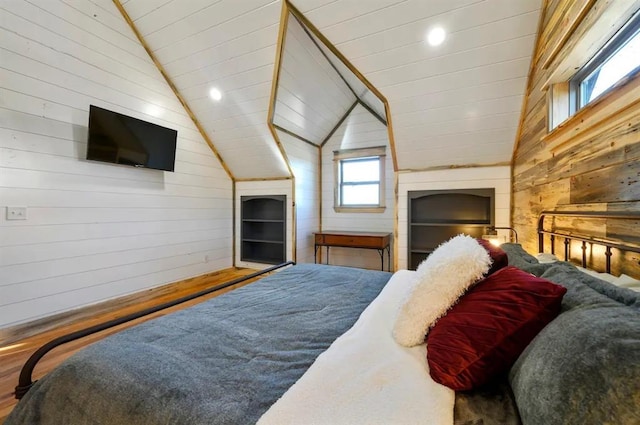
16, 213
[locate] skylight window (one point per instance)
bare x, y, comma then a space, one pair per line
615, 61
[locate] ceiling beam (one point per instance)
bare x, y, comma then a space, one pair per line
292, 134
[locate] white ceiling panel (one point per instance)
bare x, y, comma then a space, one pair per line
166, 14
312, 96
187, 32
352, 19
458, 42
451, 105
358, 87
215, 54
476, 109
139, 8
459, 96
460, 79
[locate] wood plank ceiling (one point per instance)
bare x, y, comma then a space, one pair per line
456, 104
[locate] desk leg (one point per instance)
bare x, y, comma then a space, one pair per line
315, 254
381, 252
389, 257
327, 254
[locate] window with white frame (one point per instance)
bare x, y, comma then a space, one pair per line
359, 176
619, 58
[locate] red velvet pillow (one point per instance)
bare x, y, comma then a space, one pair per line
498, 256
484, 334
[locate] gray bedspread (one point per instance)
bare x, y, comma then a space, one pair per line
224, 361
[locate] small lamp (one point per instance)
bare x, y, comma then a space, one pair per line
491, 234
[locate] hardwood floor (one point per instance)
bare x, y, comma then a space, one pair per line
14, 354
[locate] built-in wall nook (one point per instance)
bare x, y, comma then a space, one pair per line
263, 229
437, 215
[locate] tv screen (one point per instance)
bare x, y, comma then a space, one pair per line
120, 139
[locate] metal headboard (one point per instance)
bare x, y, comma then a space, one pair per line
568, 237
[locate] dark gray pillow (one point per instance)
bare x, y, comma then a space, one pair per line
584, 367
521, 259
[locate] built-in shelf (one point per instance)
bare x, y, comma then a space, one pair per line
263, 229
437, 215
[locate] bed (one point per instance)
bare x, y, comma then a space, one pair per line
313, 344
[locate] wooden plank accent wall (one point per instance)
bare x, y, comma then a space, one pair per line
94, 231
592, 160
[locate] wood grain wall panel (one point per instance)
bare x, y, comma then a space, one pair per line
94, 231
623, 184
590, 163
615, 147
579, 42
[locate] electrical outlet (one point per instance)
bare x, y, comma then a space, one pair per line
16, 213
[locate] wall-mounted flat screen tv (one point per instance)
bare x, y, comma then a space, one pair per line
120, 139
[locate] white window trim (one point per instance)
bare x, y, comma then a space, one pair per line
339, 155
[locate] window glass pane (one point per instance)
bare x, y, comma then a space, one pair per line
364, 194
612, 70
361, 170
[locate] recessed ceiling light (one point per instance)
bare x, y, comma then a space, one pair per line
215, 94
436, 36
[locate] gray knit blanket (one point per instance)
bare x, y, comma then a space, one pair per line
224, 361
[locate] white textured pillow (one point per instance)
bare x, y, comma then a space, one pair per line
442, 278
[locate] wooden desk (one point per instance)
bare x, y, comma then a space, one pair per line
379, 241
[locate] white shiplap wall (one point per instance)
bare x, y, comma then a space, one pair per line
464, 178
304, 160
94, 231
359, 130
264, 187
